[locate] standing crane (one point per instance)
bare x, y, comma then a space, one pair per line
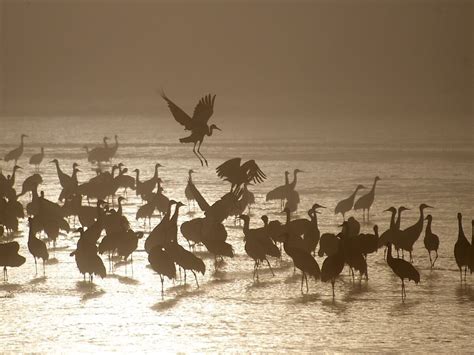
431, 241
345, 205
461, 249
197, 124
365, 202
403, 269
16, 153
36, 159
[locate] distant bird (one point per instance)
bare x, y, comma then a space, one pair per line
9, 257
471, 254
113, 150
37, 247
123, 180
30, 184
98, 154
431, 241
406, 238
162, 263
345, 205
127, 243
280, 192
198, 124
188, 191
403, 269
365, 202
462, 249
16, 153
292, 196
36, 159
239, 175
312, 235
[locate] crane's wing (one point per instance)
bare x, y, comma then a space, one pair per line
253, 172
203, 205
179, 115
228, 169
204, 109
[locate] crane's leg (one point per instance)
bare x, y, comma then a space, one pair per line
36, 266
270, 267
195, 277
199, 151
306, 279
411, 256
333, 281
436, 258
185, 276
44, 268
196, 154
431, 261
302, 279
368, 214
162, 281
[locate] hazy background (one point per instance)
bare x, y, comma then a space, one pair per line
340, 67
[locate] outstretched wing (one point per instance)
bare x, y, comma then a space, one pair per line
179, 115
199, 198
229, 169
204, 109
253, 172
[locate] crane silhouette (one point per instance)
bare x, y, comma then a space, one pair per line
345, 205
87, 260
186, 260
36, 159
198, 124
239, 175
333, 266
461, 249
280, 192
403, 269
37, 247
9, 257
162, 263
365, 202
471, 254
431, 241
16, 153
188, 191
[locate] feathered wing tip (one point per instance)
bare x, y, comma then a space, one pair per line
100, 269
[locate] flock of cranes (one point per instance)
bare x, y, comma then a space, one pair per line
106, 230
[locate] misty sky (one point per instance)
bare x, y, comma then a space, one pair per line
311, 63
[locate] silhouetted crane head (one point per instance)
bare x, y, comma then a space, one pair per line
377, 178
264, 218
402, 208
316, 206
287, 172
179, 204
79, 230
121, 198
106, 139
376, 229
296, 171
423, 206
75, 165
429, 218
360, 187
24, 136
391, 209
158, 165
191, 171
16, 167
212, 127
244, 217
55, 161
459, 216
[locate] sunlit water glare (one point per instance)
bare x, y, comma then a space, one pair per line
229, 312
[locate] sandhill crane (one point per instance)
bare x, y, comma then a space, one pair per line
9, 257
145, 211
461, 249
280, 192
127, 243
186, 260
403, 269
11, 180
113, 150
160, 231
471, 254
64, 179
123, 180
162, 263
292, 196
87, 260
144, 188
197, 124
431, 241
312, 235
303, 261
239, 175
30, 184
36, 159
37, 247
345, 205
188, 191
333, 266
16, 153
257, 245
369, 242
328, 244
365, 202
98, 154
406, 238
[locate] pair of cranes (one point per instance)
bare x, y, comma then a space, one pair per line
15, 154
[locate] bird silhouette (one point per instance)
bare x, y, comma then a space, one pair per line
189, 191
9, 257
403, 269
186, 260
36, 159
162, 263
431, 241
37, 247
407, 237
471, 253
16, 153
345, 205
198, 124
280, 192
239, 175
333, 266
87, 260
461, 249
365, 202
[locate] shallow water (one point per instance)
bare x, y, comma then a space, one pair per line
229, 312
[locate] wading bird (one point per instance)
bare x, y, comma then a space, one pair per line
365, 202
16, 153
37, 247
197, 124
403, 269
239, 175
461, 249
431, 241
345, 205
36, 159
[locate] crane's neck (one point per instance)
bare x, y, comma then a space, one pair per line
119, 210
389, 252
392, 219
295, 179
287, 180
354, 194
74, 175
190, 178
31, 234
168, 213
373, 186
461, 234
105, 143
399, 219
288, 216
209, 131
421, 218
246, 225
428, 226
22, 141
137, 174
156, 172
174, 219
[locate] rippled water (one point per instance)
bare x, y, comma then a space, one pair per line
229, 312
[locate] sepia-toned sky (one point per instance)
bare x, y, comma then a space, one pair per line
401, 63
